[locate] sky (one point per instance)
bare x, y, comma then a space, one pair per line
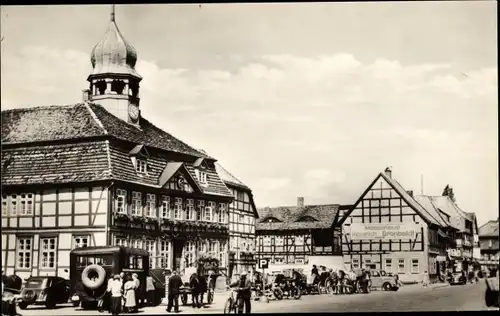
298, 99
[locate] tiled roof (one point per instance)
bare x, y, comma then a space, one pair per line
290, 217
215, 185
62, 163
426, 202
445, 204
71, 122
410, 200
490, 229
227, 177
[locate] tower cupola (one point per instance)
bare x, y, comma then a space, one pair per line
114, 82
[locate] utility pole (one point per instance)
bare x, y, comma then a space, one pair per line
421, 184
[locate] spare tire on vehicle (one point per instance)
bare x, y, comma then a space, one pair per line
93, 276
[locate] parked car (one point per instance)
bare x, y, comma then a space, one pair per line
44, 290
379, 279
457, 278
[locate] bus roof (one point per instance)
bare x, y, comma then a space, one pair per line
108, 249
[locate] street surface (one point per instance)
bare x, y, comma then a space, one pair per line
468, 297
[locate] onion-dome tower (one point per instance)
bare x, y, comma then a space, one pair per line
114, 82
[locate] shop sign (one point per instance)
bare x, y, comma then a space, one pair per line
361, 231
454, 252
441, 258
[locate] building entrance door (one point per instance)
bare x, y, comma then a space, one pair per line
178, 245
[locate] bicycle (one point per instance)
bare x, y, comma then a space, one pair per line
232, 303
210, 295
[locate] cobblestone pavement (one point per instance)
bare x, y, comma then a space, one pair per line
438, 297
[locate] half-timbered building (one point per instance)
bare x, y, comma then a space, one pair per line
242, 218
294, 235
98, 173
388, 229
489, 241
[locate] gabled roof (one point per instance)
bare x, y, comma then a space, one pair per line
139, 149
228, 177
168, 172
490, 229
289, 217
74, 122
445, 204
426, 202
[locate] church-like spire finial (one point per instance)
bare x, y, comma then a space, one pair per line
112, 12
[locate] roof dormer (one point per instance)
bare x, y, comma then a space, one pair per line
139, 156
200, 169
306, 218
270, 219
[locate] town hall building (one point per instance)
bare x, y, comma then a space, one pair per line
99, 173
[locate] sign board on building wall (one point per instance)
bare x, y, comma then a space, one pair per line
367, 231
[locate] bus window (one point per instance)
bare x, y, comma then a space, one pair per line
131, 262
81, 262
139, 262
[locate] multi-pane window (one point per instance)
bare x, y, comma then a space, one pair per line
80, 241
222, 253
212, 248
48, 253
189, 252
151, 248
13, 204
299, 240
121, 201
150, 209
165, 206
164, 254
190, 212
120, 241
401, 265
136, 243
415, 266
266, 241
141, 166
279, 241
388, 265
5, 205
202, 247
201, 208
222, 213
136, 203
178, 208
24, 248
355, 263
26, 204
202, 176
208, 211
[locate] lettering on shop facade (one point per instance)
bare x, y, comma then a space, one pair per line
361, 231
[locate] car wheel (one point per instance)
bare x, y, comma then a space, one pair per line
23, 305
50, 304
76, 303
387, 287
489, 298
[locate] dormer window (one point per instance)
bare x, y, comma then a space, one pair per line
201, 176
141, 165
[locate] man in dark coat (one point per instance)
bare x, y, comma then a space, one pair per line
174, 284
202, 287
244, 293
194, 284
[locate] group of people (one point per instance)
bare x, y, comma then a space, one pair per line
123, 292
198, 284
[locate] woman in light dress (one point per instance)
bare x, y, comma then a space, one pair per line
129, 289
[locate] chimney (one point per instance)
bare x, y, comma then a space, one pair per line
300, 202
85, 95
410, 192
388, 172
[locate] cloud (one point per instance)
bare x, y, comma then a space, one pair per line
276, 116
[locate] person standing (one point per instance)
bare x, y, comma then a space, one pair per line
115, 289
137, 290
174, 284
150, 290
244, 292
425, 281
202, 287
194, 284
129, 289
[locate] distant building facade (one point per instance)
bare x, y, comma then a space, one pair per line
489, 245
242, 218
388, 229
300, 235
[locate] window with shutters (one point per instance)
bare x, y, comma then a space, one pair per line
190, 212
178, 208
164, 254
151, 248
201, 209
80, 241
48, 253
165, 206
150, 210
24, 252
222, 213
121, 201
136, 203
26, 203
208, 211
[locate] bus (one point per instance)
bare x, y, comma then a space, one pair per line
92, 267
